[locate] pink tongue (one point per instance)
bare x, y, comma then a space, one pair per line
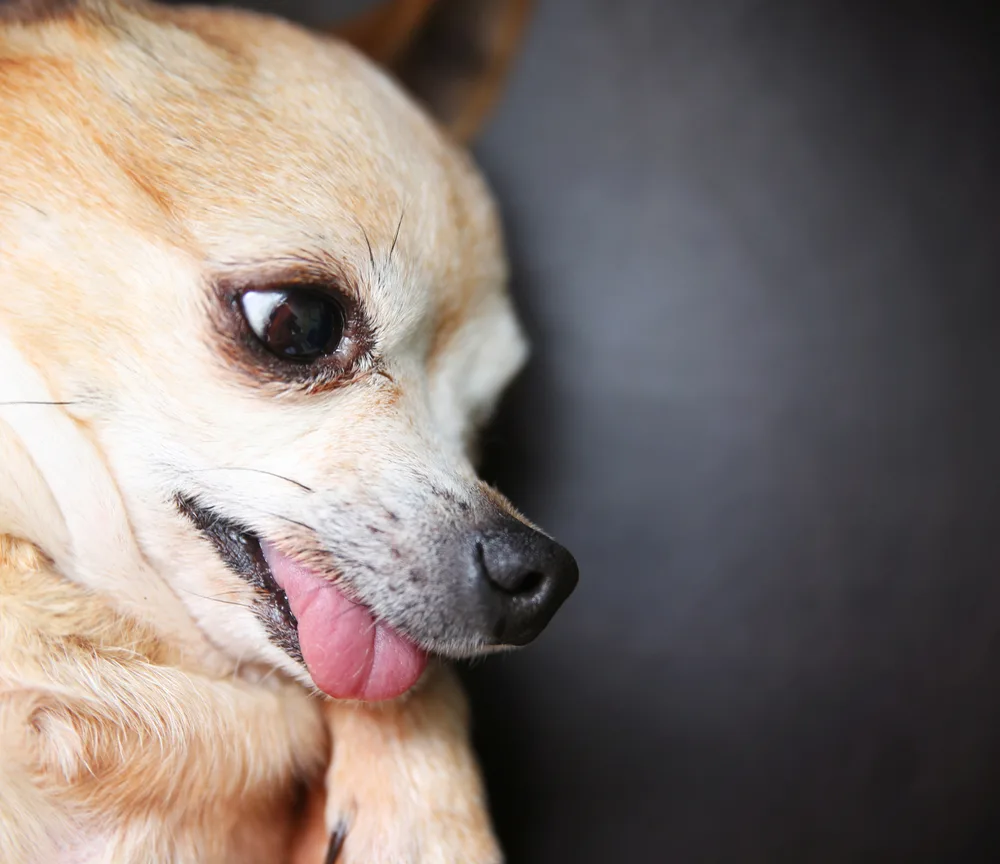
349, 655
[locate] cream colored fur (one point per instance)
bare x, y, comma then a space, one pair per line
145, 716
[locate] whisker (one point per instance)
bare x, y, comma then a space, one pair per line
396, 237
371, 255
239, 663
35, 402
284, 518
218, 599
321, 556
24, 203
253, 470
267, 676
236, 592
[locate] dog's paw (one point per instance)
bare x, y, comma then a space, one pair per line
404, 786
424, 843
424, 835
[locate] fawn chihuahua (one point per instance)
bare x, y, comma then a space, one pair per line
252, 314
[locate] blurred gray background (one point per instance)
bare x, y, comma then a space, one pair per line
756, 245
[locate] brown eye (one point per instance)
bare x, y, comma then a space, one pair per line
294, 323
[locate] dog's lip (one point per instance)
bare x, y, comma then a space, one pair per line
348, 653
239, 548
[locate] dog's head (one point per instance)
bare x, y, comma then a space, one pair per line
252, 315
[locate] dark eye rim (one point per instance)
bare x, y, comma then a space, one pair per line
243, 350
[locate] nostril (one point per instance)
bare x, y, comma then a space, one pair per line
530, 583
518, 585
522, 563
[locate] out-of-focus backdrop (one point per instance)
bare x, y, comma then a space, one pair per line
757, 245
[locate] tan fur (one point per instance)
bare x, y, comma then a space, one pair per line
393, 760
107, 733
144, 715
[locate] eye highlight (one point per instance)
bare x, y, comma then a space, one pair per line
298, 323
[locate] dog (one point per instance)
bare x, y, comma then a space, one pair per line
253, 315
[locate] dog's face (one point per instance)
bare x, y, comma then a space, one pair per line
270, 297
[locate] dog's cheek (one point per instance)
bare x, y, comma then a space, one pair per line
470, 373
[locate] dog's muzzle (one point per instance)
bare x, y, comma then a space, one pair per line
483, 579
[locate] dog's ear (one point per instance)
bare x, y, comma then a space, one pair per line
452, 55
57, 492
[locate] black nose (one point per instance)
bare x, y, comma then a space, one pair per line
525, 578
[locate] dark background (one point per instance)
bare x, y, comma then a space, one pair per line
757, 245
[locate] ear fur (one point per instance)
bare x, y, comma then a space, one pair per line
452, 55
56, 491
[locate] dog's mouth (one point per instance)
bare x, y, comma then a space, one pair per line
348, 652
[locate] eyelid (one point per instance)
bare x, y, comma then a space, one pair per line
299, 268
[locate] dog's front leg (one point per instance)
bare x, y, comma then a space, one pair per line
403, 786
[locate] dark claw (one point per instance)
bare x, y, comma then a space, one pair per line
336, 844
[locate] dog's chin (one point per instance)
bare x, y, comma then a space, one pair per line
348, 652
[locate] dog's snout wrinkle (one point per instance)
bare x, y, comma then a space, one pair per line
481, 567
